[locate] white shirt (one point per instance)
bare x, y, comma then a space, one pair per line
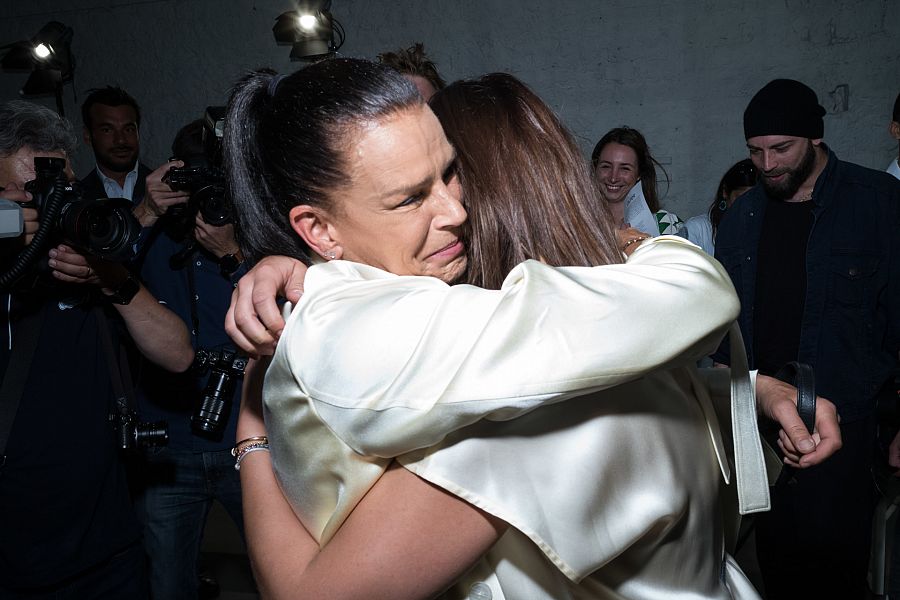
112, 187
374, 365
894, 168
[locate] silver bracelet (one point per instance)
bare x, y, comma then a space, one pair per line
248, 450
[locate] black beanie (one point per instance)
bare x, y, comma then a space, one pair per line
784, 107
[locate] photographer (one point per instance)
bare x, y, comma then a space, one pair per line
68, 527
192, 266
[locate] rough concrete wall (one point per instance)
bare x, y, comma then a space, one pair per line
680, 71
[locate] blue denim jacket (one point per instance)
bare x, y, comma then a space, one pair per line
850, 331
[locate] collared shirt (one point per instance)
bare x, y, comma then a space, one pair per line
850, 329
894, 168
112, 187
171, 396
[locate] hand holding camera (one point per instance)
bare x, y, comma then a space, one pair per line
160, 196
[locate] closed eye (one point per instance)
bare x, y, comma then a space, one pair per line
414, 199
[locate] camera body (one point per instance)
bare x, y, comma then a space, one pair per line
206, 185
132, 433
199, 146
104, 227
225, 367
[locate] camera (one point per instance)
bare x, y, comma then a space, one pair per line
131, 432
199, 146
225, 367
104, 227
206, 184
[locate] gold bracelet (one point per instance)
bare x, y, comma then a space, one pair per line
634, 241
256, 440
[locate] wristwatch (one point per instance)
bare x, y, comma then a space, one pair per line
125, 291
228, 264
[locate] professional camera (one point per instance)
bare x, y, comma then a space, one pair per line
225, 367
202, 175
104, 227
206, 185
131, 432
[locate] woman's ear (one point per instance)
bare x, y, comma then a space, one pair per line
315, 227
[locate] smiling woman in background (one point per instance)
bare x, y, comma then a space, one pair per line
621, 160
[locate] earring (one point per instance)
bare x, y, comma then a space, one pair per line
723, 205
330, 254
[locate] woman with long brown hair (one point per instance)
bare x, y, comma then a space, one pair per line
610, 494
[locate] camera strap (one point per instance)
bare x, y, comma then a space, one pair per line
119, 373
28, 332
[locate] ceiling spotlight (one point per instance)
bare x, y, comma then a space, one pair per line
47, 56
42, 51
308, 22
311, 31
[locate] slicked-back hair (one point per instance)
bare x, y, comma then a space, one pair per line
286, 141
110, 95
24, 124
413, 61
646, 163
897, 109
528, 190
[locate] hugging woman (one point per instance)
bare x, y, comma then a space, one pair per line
545, 446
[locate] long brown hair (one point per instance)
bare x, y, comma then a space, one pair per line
526, 187
646, 166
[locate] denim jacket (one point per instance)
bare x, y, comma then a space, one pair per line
851, 319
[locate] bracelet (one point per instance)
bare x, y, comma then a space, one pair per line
634, 241
248, 450
256, 440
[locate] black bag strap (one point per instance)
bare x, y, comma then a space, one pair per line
28, 332
802, 377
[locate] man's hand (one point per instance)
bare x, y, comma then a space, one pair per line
71, 266
159, 196
778, 401
30, 216
218, 241
254, 320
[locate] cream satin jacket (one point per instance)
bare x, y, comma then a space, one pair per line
610, 494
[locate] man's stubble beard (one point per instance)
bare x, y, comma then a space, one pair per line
795, 177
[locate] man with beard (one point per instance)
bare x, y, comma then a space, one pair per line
112, 120
814, 255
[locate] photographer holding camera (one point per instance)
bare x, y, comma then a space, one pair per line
69, 530
189, 259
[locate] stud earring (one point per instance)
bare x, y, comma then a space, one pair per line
330, 254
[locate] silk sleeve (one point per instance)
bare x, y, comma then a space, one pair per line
392, 364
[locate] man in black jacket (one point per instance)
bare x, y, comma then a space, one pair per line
112, 121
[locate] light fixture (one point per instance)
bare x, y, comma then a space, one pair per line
311, 31
47, 56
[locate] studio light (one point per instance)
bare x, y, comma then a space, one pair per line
47, 56
311, 31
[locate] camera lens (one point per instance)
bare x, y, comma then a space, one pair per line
211, 414
151, 434
104, 227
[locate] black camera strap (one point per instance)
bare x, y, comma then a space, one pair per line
119, 374
28, 332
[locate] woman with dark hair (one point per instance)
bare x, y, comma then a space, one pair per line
621, 159
701, 229
612, 494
